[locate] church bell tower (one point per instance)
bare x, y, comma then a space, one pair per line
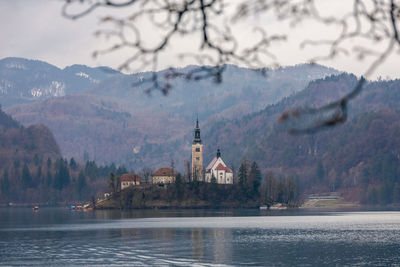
197, 155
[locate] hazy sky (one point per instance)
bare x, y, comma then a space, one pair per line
36, 30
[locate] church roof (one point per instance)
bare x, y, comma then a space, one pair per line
212, 163
164, 172
221, 167
130, 178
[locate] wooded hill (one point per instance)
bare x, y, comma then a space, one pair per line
112, 118
359, 158
32, 169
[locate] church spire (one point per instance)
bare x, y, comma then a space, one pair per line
218, 153
197, 139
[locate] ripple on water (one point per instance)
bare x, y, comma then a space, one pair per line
327, 239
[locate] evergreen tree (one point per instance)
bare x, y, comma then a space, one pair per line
48, 163
36, 159
81, 183
112, 183
243, 173
244, 179
61, 177
5, 183
91, 170
214, 189
26, 177
178, 187
254, 180
121, 170
72, 164
38, 178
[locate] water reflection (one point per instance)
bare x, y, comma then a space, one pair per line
222, 245
57, 237
197, 244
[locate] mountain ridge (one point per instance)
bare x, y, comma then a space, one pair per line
151, 120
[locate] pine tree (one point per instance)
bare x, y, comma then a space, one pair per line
178, 187
111, 183
243, 173
26, 177
36, 159
254, 180
81, 183
121, 170
61, 177
5, 183
243, 178
72, 164
48, 163
38, 178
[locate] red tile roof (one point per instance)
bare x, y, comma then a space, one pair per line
221, 167
164, 172
130, 178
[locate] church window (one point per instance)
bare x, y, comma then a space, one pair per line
197, 158
197, 149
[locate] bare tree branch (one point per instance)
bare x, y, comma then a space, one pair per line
374, 21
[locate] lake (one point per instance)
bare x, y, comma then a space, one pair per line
60, 237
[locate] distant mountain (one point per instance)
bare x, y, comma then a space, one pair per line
242, 90
103, 114
24, 81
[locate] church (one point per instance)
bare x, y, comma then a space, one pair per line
216, 169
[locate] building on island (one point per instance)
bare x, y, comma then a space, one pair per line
218, 169
129, 180
163, 176
197, 155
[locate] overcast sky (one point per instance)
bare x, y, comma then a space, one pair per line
36, 30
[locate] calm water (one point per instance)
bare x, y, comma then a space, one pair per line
59, 237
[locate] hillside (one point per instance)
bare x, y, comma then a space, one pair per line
113, 122
18, 143
32, 169
102, 115
359, 158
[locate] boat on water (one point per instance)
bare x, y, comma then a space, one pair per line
35, 208
278, 206
263, 207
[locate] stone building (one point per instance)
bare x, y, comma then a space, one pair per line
218, 169
197, 155
163, 176
129, 180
